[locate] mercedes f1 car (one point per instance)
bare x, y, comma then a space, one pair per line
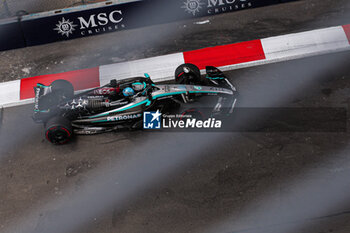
121, 104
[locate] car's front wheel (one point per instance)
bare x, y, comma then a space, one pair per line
188, 74
62, 88
58, 130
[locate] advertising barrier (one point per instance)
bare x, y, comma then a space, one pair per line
11, 36
80, 22
71, 25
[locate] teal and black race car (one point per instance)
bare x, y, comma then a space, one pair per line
121, 104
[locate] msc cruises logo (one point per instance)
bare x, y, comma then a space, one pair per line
192, 6
65, 27
92, 24
215, 6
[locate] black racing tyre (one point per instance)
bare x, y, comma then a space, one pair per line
63, 88
58, 130
188, 74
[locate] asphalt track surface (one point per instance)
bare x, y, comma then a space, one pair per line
171, 38
219, 185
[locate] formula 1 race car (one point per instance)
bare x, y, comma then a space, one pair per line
121, 104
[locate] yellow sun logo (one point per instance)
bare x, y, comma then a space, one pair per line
65, 27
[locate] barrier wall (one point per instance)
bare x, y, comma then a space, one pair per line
11, 36
100, 18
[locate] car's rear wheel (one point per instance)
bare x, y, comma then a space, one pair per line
188, 74
58, 130
62, 88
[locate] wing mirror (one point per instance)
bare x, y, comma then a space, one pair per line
214, 72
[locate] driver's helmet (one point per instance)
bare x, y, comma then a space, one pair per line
128, 91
